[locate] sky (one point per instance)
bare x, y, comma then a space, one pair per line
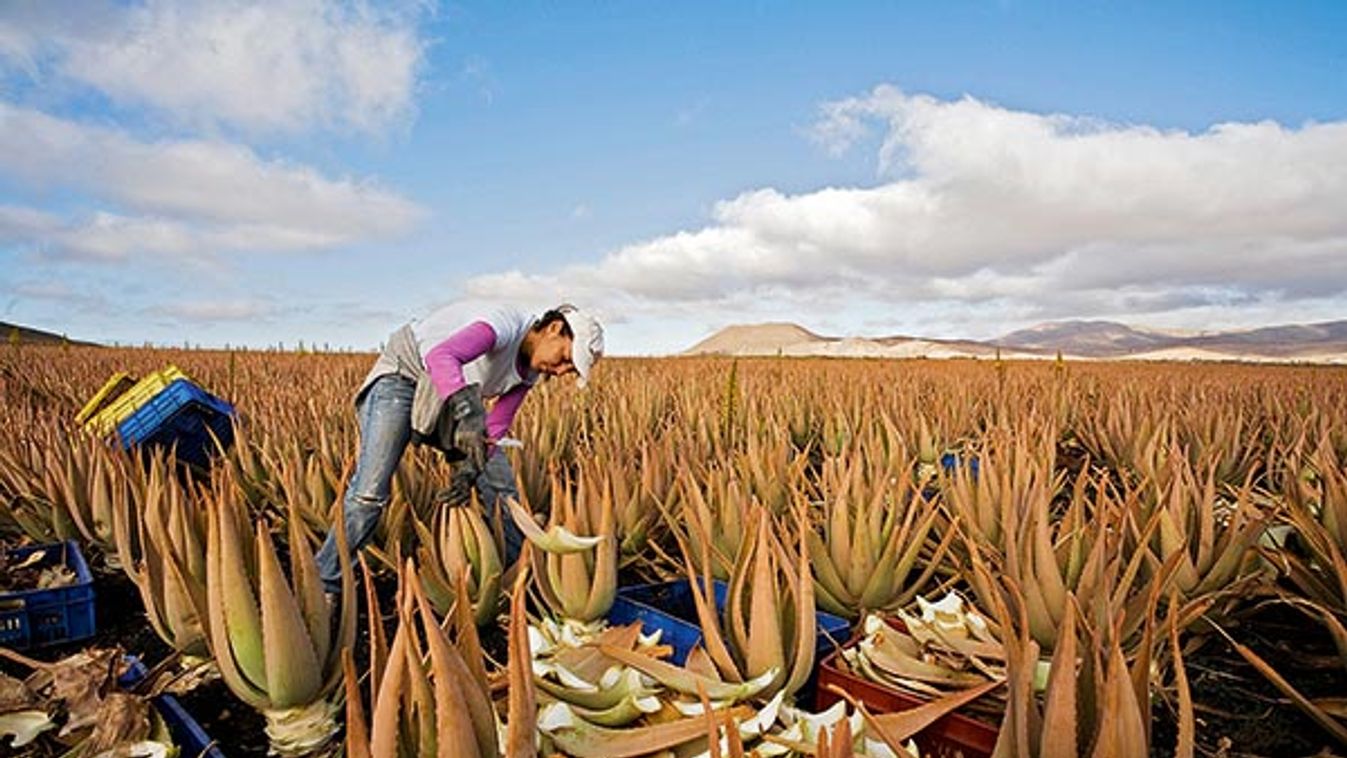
255, 173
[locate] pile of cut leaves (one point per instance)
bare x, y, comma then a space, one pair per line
73, 708
28, 573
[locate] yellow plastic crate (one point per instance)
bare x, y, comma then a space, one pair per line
112, 411
112, 389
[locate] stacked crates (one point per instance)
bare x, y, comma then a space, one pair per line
163, 409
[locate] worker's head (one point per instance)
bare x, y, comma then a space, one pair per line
565, 340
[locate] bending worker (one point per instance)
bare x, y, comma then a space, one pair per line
428, 386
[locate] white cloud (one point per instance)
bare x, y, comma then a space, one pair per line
181, 196
1009, 214
270, 66
60, 293
212, 311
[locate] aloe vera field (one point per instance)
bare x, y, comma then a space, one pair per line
1076, 558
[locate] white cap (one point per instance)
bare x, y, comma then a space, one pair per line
587, 344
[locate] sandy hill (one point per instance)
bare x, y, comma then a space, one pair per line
793, 340
757, 339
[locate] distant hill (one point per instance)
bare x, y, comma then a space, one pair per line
1290, 340
1101, 339
759, 339
30, 336
1080, 339
1107, 339
795, 340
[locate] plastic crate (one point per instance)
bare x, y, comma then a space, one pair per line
952, 461
669, 607
110, 407
191, 739
950, 736
112, 389
183, 416
32, 618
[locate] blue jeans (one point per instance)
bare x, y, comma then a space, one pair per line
384, 414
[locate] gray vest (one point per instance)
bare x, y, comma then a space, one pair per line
494, 373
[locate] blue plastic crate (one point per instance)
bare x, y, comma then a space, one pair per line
32, 618
183, 416
663, 607
669, 607
191, 739
952, 461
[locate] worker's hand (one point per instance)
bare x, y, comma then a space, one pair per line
469, 417
459, 491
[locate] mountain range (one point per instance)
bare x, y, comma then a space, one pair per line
1324, 342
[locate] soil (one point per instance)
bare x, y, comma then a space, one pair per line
1239, 713
237, 729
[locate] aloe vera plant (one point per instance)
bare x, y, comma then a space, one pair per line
427, 700
769, 626
274, 639
161, 542
1209, 534
31, 478
460, 543
712, 519
1106, 493
1316, 509
873, 554
577, 577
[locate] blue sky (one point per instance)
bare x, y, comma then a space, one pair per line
254, 173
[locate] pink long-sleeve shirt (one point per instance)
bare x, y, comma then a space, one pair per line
445, 362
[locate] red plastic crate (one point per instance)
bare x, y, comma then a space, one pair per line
950, 736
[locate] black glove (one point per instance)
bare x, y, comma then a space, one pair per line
459, 491
465, 408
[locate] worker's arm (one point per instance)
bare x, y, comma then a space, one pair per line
500, 417
445, 361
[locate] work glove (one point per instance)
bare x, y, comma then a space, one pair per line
465, 408
459, 491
